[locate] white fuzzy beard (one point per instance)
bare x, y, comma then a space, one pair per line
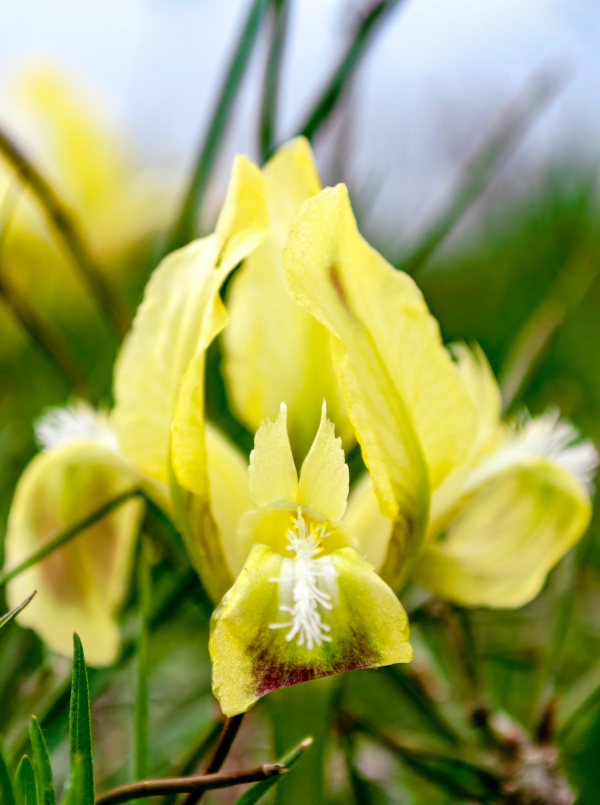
306, 586
74, 423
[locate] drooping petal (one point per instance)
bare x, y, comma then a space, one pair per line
81, 585
505, 535
324, 477
273, 349
411, 410
180, 315
272, 473
255, 650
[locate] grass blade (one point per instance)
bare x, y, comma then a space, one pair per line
81, 779
184, 228
7, 796
332, 92
25, 793
41, 765
258, 790
6, 619
270, 91
67, 230
485, 164
141, 695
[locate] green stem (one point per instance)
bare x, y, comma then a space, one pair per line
184, 227
219, 754
182, 785
533, 340
68, 534
40, 334
257, 791
67, 230
270, 93
332, 92
484, 165
141, 751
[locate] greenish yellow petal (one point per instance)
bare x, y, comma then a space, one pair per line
481, 384
229, 493
505, 537
370, 530
82, 585
179, 317
324, 477
272, 473
410, 408
366, 627
273, 350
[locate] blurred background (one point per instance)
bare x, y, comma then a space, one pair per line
468, 132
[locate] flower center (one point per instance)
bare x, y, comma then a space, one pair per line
306, 585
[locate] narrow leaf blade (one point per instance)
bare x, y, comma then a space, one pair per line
81, 780
258, 790
25, 783
6, 619
7, 796
41, 765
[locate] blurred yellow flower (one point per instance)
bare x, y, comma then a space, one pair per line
117, 206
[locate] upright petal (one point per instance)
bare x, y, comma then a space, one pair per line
324, 477
412, 412
180, 315
272, 473
273, 349
81, 585
481, 384
505, 535
361, 624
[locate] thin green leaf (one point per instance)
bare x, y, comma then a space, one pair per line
184, 228
270, 91
69, 533
141, 696
40, 333
6, 619
41, 765
25, 793
484, 165
258, 790
81, 780
331, 94
7, 796
68, 231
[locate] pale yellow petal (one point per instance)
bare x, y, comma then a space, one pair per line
479, 379
82, 585
273, 350
272, 473
179, 317
505, 537
324, 477
369, 529
410, 408
229, 493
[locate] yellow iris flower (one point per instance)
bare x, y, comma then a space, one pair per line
304, 574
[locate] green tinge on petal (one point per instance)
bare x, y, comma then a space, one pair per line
506, 536
273, 350
368, 628
324, 476
81, 585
